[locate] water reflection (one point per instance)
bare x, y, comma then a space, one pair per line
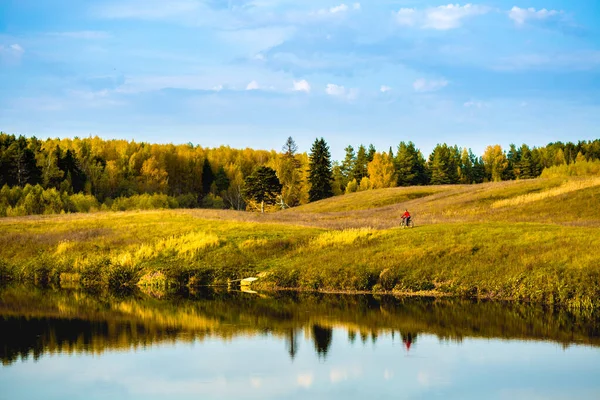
226, 345
34, 321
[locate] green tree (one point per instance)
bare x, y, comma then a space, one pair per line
360, 164
320, 175
262, 186
208, 177
410, 165
221, 180
371, 153
466, 167
443, 165
290, 174
347, 166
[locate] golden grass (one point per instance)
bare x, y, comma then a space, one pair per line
566, 188
537, 249
344, 238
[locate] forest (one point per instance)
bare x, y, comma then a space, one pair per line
90, 174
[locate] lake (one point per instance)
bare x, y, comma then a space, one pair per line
72, 344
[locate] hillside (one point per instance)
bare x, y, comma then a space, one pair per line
524, 240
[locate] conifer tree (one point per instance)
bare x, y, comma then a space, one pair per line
443, 166
320, 175
360, 165
208, 177
371, 153
347, 166
409, 165
262, 186
290, 174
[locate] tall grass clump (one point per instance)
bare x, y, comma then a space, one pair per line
565, 188
346, 237
579, 168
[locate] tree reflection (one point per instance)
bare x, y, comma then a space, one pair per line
34, 322
322, 338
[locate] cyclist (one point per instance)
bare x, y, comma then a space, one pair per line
406, 217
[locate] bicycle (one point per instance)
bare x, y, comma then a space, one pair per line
411, 223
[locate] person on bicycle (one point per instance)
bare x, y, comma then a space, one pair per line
406, 217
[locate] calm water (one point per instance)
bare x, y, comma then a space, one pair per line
211, 345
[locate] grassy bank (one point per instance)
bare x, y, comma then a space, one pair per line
530, 240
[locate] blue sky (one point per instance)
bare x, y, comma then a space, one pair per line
250, 73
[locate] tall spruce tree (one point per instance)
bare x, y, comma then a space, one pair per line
320, 175
208, 177
290, 174
410, 165
443, 165
360, 165
347, 166
371, 153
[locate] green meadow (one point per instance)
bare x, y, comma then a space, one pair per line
531, 240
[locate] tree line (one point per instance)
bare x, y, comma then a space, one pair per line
91, 173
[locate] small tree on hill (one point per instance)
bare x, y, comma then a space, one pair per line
262, 186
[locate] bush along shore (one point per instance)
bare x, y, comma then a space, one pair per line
544, 263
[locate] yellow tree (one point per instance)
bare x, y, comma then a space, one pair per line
382, 173
153, 178
495, 162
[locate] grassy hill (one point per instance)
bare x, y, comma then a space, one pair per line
527, 240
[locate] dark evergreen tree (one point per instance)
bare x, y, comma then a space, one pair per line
208, 177
371, 153
360, 165
221, 180
262, 186
478, 169
75, 176
347, 166
410, 165
443, 165
320, 175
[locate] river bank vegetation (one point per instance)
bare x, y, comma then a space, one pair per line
527, 240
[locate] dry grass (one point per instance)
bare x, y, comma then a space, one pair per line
462, 244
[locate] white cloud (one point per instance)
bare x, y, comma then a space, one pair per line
440, 18
218, 88
252, 86
521, 15
384, 89
335, 90
406, 16
423, 85
341, 91
302, 86
337, 9
450, 16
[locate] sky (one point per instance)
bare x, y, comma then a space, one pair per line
250, 73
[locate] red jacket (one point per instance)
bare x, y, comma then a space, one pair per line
406, 215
